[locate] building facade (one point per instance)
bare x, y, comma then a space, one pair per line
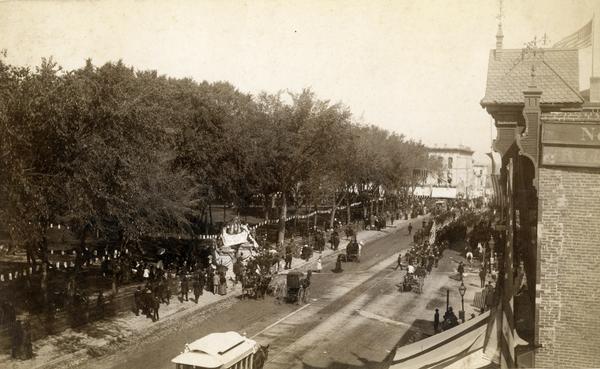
456, 171
549, 216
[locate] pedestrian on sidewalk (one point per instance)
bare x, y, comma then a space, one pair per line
461, 270
335, 240
184, 288
482, 275
196, 286
216, 283
399, 261
222, 283
410, 227
319, 265
436, 320
155, 307
338, 265
469, 257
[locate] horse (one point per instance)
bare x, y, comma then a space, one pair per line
262, 286
248, 287
260, 357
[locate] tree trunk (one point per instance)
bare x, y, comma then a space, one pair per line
282, 216
348, 211
210, 216
333, 209
316, 216
307, 219
79, 261
203, 220
266, 206
44, 279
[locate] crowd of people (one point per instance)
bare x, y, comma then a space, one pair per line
160, 283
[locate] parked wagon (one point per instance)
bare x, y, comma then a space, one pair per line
298, 287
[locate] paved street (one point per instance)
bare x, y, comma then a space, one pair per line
354, 319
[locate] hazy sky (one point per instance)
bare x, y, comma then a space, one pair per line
417, 67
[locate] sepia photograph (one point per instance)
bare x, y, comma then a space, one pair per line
299, 184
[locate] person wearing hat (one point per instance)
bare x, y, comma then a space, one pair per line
338, 265
184, 288
461, 270
216, 283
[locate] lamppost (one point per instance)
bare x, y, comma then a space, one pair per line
462, 289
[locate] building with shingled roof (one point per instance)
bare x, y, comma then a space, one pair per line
548, 219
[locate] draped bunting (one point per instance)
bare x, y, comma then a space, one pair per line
116, 253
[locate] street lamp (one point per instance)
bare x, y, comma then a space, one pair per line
462, 289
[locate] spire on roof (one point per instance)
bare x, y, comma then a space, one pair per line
499, 34
532, 83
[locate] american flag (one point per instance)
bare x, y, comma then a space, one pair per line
578, 40
432, 233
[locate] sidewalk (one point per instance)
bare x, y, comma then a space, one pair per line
106, 336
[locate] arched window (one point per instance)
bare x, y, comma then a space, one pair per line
450, 163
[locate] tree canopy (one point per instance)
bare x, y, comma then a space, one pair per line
125, 153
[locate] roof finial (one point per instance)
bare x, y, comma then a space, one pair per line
532, 84
499, 34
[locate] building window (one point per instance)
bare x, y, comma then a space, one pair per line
450, 163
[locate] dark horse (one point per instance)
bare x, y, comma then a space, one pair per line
261, 356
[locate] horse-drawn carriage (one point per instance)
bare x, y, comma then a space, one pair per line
415, 281
255, 285
298, 287
306, 253
353, 251
227, 350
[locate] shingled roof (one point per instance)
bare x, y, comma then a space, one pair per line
556, 75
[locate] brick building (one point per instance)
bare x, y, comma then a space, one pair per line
549, 219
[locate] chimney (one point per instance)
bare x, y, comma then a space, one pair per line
499, 37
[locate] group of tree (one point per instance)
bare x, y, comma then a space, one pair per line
123, 153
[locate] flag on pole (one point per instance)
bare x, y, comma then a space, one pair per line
578, 40
433, 233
